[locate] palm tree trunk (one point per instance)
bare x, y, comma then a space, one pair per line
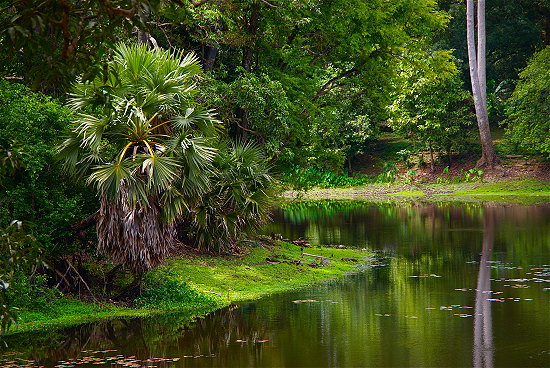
488, 155
134, 235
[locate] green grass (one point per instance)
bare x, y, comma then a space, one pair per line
66, 311
200, 284
411, 193
251, 277
517, 191
524, 188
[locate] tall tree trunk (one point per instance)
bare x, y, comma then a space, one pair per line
252, 24
477, 76
134, 236
210, 57
431, 158
145, 37
483, 329
481, 50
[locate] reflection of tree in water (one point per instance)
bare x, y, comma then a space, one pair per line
420, 226
47, 347
166, 336
348, 325
221, 331
483, 329
377, 225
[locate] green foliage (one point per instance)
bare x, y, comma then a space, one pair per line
48, 43
410, 176
300, 178
309, 80
529, 107
147, 148
473, 175
445, 177
266, 104
32, 184
405, 157
150, 150
515, 29
434, 110
239, 200
469, 176
146, 132
389, 174
19, 256
174, 294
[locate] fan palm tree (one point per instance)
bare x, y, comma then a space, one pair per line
146, 146
239, 200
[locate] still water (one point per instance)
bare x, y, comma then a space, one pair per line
451, 286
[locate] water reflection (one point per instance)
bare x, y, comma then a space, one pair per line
430, 305
483, 327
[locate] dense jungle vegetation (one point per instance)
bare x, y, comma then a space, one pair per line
128, 128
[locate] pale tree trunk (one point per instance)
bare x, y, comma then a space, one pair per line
481, 49
477, 76
483, 324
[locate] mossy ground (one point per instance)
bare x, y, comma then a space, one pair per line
251, 276
199, 284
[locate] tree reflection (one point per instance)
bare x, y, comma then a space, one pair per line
483, 329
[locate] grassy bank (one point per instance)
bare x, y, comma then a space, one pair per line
510, 191
199, 284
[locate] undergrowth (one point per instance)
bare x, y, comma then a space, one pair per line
302, 178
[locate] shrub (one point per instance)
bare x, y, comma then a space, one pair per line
529, 107
300, 178
173, 294
20, 256
31, 183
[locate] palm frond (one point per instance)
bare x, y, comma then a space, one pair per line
161, 171
197, 117
107, 178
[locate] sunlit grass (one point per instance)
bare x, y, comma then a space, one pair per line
201, 284
412, 193
251, 276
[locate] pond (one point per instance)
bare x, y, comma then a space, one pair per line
452, 285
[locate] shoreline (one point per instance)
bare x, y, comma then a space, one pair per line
516, 191
212, 282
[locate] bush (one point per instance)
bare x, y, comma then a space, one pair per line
529, 107
300, 178
32, 185
173, 295
20, 256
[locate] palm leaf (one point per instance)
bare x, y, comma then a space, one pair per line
107, 178
199, 118
161, 171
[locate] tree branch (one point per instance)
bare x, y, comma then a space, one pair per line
86, 223
271, 5
250, 130
331, 83
112, 11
